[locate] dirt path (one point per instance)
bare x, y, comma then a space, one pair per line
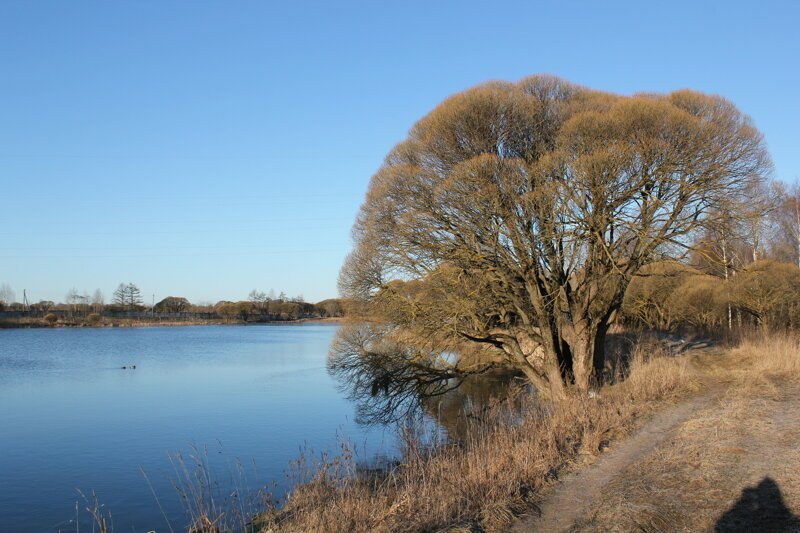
580, 490
728, 460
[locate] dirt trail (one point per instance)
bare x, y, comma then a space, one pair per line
728, 460
579, 491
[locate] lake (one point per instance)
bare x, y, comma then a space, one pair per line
71, 418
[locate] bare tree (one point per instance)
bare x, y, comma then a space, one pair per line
98, 298
44, 305
765, 290
387, 380
119, 295
763, 199
723, 249
172, 304
127, 295
515, 215
259, 299
77, 300
786, 242
7, 295
133, 295
72, 297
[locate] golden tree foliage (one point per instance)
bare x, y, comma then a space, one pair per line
515, 215
656, 297
770, 293
668, 295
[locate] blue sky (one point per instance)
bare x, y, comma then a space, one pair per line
203, 149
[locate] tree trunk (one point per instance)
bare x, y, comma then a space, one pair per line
540, 362
573, 356
554, 366
797, 221
557, 387
583, 355
725, 261
600, 351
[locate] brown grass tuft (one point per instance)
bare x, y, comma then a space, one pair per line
771, 354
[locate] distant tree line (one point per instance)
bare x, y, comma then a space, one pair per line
127, 302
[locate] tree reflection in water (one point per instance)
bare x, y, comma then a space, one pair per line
391, 383
472, 402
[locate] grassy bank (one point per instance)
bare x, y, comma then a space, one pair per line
497, 473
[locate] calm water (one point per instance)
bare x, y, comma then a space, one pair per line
71, 418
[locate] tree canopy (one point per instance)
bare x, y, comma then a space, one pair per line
515, 215
127, 295
172, 304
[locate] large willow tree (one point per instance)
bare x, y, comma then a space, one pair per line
515, 215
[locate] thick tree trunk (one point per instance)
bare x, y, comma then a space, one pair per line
540, 361
599, 362
554, 363
557, 388
587, 346
571, 357
583, 360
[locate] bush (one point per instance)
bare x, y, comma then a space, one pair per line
94, 319
50, 318
172, 304
699, 302
667, 296
767, 291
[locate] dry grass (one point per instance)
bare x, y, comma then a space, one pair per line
774, 354
707, 474
214, 504
495, 475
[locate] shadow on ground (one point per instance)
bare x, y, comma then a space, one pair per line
759, 508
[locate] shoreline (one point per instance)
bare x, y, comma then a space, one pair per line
127, 323
684, 423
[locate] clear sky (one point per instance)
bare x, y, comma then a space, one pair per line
203, 149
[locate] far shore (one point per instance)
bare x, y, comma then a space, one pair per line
31, 323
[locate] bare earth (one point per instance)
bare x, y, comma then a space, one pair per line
727, 460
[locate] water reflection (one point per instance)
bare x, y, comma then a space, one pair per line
470, 403
392, 384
